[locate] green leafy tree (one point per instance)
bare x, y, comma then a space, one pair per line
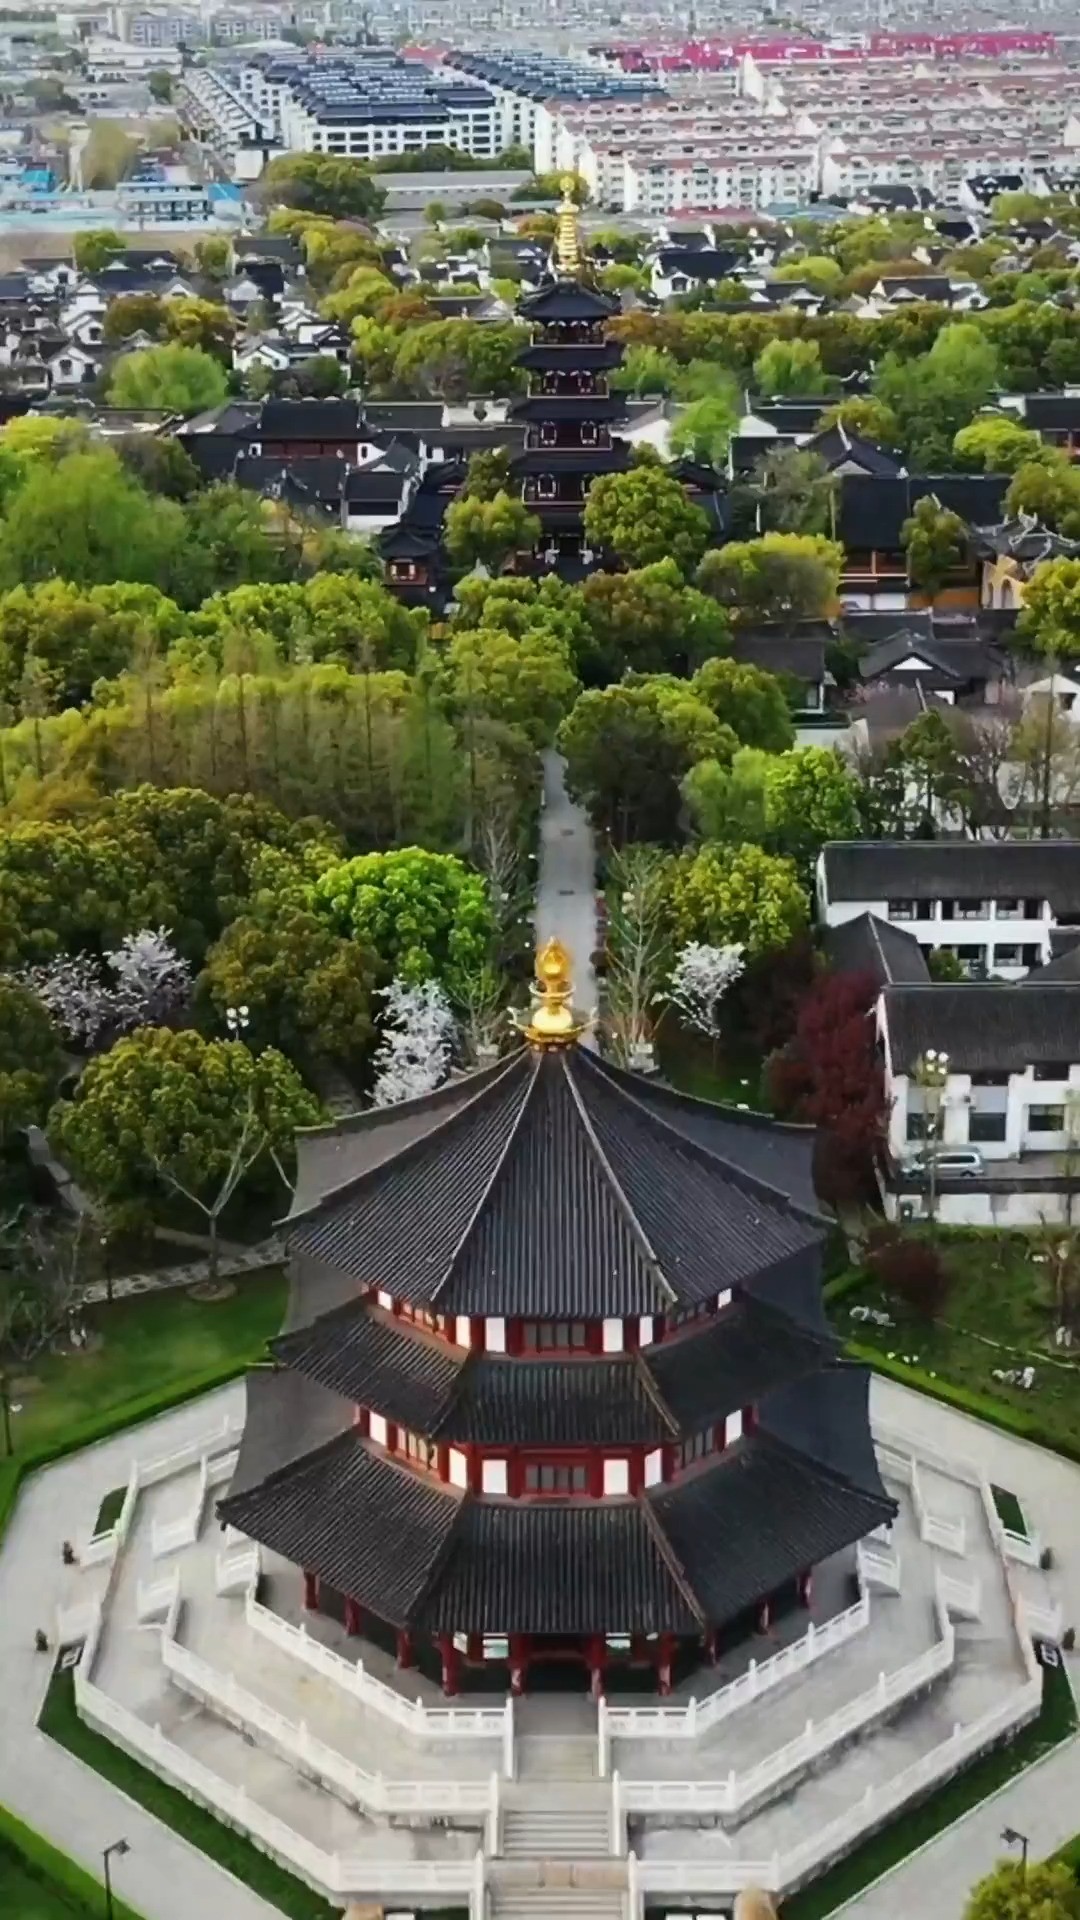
997, 443
94, 250
1050, 618
307, 989
810, 797
781, 577
864, 414
160, 464
213, 256
526, 681
1035, 1890
703, 430
31, 1061
628, 748
642, 516
1018, 206
748, 700
732, 895
455, 359
160, 83
935, 541
87, 521
1049, 489
795, 491
648, 620
488, 530
205, 325
317, 183
168, 1113
647, 370
791, 368
80, 635
229, 541
487, 474
934, 394
420, 915
133, 313
726, 799
176, 379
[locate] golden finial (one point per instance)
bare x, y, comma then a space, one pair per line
553, 1021
568, 255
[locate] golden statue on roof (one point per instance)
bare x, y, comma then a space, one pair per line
569, 257
553, 1021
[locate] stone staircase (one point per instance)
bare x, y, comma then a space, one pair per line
557, 1826
554, 1860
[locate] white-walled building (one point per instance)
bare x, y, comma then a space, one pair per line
995, 904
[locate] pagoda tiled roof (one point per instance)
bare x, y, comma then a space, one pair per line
556, 1191
577, 356
569, 406
567, 460
566, 299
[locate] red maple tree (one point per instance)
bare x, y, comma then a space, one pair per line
830, 1075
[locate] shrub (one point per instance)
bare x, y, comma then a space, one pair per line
913, 1271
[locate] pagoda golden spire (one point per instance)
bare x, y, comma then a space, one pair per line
553, 1021
569, 258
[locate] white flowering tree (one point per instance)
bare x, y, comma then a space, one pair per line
143, 982
413, 1055
699, 981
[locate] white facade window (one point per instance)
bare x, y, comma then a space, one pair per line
459, 1468
377, 1428
463, 1330
493, 1476
386, 1300
724, 1299
654, 1467
495, 1335
616, 1476
613, 1336
733, 1427
645, 1330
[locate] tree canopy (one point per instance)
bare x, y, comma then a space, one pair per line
176, 379
629, 746
781, 577
422, 915
736, 896
642, 516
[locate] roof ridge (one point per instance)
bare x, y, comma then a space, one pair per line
410, 1148
490, 1183
654, 1527
653, 1392
746, 1181
632, 1220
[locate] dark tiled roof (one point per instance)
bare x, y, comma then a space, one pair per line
968, 657
573, 1402
568, 300
784, 1513
872, 510
549, 1568
984, 1026
309, 420
372, 1529
955, 869
1052, 412
286, 1416
801, 655
869, 945
698, 263
708, 1372
563, 1188
836, 445
375, 1362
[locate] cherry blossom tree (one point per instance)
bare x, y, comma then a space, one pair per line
699, 981
413, 1056
142, 982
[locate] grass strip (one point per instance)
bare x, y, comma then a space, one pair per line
239, 1856
909, 1831
37, 1882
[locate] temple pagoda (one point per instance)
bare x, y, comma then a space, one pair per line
569, 411
556, 1385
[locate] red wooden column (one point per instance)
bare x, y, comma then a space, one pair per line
519, 1661
404, 1647
449, 1653
806, 1588
311, 1590
352, 1615
764, 1619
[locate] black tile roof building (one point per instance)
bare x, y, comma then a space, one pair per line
556, 1380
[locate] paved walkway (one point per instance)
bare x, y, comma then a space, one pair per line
162, 1877
191, 1273
1044, 1802
566, 881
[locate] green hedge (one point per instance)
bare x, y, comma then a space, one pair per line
997, 1413
43, 1862
849, 1281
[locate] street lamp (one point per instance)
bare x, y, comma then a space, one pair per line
238, 1020
1014, 1839
119, 1847
931, 1074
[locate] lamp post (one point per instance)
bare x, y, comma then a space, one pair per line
119, 1847
1014, 1839
238, 1020
931, 1074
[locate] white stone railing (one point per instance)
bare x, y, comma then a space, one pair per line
934, 1528
690, 1877
960, 1597
739, 1791
438, 1797
423, 1722
102, 1548
157, 1600
878, 1565
687, 1723
237, 1568
334, 1877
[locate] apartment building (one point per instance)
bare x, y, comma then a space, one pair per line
1001, 907
214, 112
534, 91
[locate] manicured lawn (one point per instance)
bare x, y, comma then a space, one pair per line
147, 1343
25, 1897
1055, 1723
728, 1072
237, 1855
997, 1317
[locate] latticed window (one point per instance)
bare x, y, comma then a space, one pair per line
423, 1453
696, 1448
550, 1476
555, 1336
